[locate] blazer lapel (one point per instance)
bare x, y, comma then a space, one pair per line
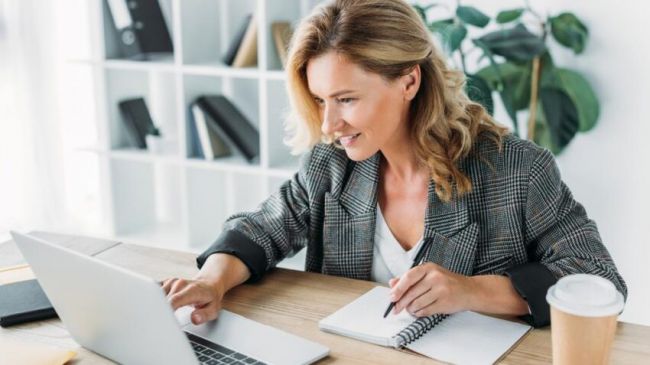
454, 237
349, 223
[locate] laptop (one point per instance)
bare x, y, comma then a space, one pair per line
126, 317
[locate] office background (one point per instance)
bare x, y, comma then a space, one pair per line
52, 180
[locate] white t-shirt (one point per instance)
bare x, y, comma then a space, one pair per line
389, 258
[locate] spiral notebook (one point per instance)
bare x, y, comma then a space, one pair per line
460, 338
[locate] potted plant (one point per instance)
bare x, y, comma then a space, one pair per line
520, 68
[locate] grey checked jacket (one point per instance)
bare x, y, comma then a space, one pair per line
519, 220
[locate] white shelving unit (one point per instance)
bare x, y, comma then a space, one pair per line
172, 200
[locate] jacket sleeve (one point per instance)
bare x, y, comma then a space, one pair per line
560, 240
278, 228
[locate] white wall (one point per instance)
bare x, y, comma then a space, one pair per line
608, 168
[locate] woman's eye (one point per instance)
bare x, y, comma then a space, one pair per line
319, 101
345, 100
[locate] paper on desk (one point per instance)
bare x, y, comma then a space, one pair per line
469, 338
31, 353
14, 274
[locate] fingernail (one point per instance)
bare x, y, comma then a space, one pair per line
197, 318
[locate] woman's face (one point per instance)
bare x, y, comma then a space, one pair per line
362, 110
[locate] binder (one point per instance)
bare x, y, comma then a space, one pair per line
141, 28
137, 121
230, 122
22, 302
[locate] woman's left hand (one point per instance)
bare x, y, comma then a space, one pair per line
429, 289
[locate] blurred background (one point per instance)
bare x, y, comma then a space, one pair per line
114, 114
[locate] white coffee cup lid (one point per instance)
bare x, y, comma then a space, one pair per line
585, 295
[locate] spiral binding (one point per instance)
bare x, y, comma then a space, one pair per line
417, 329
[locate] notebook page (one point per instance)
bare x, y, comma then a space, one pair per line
469, 338
363, 318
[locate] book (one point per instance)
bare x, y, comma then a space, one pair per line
281, 32
23, 301
141, 28
137, 121
237, 40
247, 53
230, 123
211, 144
460, 338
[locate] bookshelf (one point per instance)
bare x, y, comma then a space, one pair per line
168, 198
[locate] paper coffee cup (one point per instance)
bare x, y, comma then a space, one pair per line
584, 309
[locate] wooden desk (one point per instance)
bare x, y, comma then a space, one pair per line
293, 301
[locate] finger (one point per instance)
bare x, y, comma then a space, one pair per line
190, 295
407, 280
412, 294
178, 285
167, 284
393, 281
206, 313
421, 305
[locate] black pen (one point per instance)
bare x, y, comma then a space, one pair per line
416, 262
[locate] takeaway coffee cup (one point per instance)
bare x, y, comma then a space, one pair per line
584, 309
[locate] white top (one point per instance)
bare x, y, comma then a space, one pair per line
389, 258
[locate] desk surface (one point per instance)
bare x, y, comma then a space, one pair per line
284, 299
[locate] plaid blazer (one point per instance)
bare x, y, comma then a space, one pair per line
519, 220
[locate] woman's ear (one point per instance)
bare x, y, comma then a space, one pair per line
411, 83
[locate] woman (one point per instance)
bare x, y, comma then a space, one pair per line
399, 156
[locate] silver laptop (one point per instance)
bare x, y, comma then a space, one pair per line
126, 317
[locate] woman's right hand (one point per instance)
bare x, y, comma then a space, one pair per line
204, 296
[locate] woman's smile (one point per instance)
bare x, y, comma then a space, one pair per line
347, 141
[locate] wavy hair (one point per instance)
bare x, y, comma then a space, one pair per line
388, 37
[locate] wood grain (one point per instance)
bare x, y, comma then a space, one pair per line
293, 301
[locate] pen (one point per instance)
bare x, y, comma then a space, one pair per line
416, 262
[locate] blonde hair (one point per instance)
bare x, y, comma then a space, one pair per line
388, 37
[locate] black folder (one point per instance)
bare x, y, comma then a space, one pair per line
137, 120
140, 27
23, 301
233, 123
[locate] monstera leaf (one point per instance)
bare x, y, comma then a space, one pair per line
512, 82
561, 118
473, 16
569, 31
515, 44
479, 91
507, 16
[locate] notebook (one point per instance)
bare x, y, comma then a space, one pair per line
460, 338
22, 302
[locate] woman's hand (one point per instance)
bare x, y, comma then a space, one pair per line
204, 296
429, 289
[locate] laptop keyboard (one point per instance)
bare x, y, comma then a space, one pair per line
212, 354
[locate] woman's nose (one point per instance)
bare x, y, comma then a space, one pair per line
331, 121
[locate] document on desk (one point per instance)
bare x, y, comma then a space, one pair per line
32, 353
461, 338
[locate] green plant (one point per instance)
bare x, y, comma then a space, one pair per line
521, 70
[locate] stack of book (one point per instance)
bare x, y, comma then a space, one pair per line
219, 129
243, 49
